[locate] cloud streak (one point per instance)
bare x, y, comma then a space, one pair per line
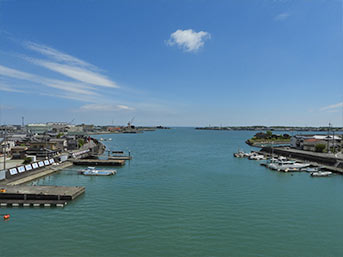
76, 73
332, 107
282, 16
57, 55
188, 40
53, 83
105, 107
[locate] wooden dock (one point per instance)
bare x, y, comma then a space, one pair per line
96, 162
38, 196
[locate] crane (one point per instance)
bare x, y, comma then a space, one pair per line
129, 124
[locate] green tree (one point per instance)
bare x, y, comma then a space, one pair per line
320, 148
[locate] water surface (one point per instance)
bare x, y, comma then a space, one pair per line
183, 194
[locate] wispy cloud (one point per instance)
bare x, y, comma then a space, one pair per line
282, 16
57, 55
105, 107
188, 39
77, 73
332, 107
73, 87
7, 88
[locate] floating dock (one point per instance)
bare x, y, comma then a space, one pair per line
96, 162
38, 196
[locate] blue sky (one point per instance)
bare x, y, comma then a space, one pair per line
175, 63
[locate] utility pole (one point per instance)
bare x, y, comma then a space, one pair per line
328, 138
5, 147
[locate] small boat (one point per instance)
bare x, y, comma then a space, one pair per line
310, 169
91, 171
287, 165
257, 157
321, 174
239, 154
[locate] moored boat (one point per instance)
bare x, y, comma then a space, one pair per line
321, 173
91, 171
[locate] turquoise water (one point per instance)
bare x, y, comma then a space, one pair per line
184, 194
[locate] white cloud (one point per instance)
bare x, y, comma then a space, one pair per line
77, 73
331, 107
57, 55
105, 107
73, 87
7, 88
282, 16
188, 39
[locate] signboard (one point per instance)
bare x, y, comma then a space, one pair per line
46, 162
41, 164
2, 174
51, 161
28, 167
35, 165
21, 169
13, 171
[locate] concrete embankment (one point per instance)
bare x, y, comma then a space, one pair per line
36, 174
330, 161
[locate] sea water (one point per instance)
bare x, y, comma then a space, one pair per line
183, 194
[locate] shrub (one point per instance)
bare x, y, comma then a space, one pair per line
27, 160
320, 147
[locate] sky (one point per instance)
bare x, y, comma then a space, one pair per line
172, 62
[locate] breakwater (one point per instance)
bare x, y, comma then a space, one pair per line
320, 158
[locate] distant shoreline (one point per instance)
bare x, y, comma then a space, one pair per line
272, 128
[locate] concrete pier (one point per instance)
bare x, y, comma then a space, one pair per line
36, 196
325, 160
96, 162
124, 158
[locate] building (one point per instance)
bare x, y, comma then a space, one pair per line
309, 142
19, 152
61, 143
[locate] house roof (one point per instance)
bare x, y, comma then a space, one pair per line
310, 140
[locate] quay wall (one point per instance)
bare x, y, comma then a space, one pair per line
321, 158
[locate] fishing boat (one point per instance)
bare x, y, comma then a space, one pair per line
91, 171
256, 156
287, 165
321, 173
240, 154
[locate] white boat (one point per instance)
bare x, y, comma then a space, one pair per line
240, 154
287, 165
91, 171
321, 173
257, 157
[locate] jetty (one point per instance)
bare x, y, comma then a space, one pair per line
328, 161
98, 162
38, 196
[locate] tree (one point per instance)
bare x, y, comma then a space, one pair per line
320, 147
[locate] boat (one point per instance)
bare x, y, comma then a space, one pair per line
310, 169
91, 171
287, 165
321, 173
256, 156
240, 154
